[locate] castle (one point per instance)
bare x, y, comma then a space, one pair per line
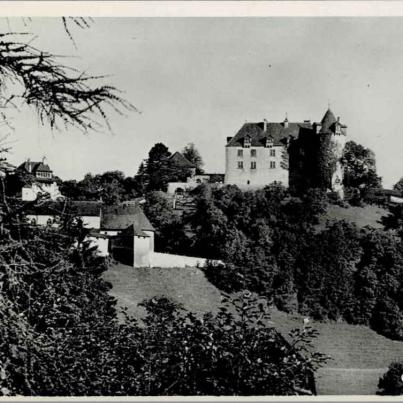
297, 155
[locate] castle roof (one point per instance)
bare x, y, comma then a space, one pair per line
277, 132
180, 160
330, 124
328, 121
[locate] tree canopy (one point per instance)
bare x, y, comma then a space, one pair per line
359, 167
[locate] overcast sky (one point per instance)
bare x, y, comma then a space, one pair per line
199, 80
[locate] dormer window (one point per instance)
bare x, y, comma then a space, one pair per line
246, 142
269, 143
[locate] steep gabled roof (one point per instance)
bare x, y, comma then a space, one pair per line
34, 166
180, 160
328, 122
277, 132
42, 167
118, 218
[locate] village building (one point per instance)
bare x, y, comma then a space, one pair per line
193, 180
49, 212
122, 231
294, 154
130, 232
39, 180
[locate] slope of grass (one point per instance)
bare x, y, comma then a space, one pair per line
360, 356
361, 216
186, 286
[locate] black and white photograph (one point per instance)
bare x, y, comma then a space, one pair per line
201, 206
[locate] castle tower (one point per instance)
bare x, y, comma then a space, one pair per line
331, 136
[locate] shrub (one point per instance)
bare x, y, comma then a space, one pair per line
391, 383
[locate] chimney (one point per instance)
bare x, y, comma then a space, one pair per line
264, 125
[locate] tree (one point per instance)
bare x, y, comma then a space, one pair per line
399, 185
56, 316
112, 187
224, 354
157, 167
359, 167
61, 96
192, 154
171, 235
391, 383
158, 170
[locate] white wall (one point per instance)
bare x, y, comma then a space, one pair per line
142, 252
101, 243
172, 186
151, 239
92, 221
168, 260
30, 193
111, 233
261, 176
42, 219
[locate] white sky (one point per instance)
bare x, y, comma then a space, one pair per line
198, 80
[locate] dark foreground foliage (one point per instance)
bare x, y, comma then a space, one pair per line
391, 383
60, 336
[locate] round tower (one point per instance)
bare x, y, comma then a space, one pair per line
331, 141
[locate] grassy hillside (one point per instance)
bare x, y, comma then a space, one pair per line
186, 286
360, 355
361, 216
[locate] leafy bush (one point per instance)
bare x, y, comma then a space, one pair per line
391, 383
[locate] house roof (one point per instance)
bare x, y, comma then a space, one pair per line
34, 166
180, 160
122, 216
79, 208
277, 132
134, 230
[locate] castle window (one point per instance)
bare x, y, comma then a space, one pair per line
240, 153
272, 152
253, 165
253, 153
240, 164
272, 164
